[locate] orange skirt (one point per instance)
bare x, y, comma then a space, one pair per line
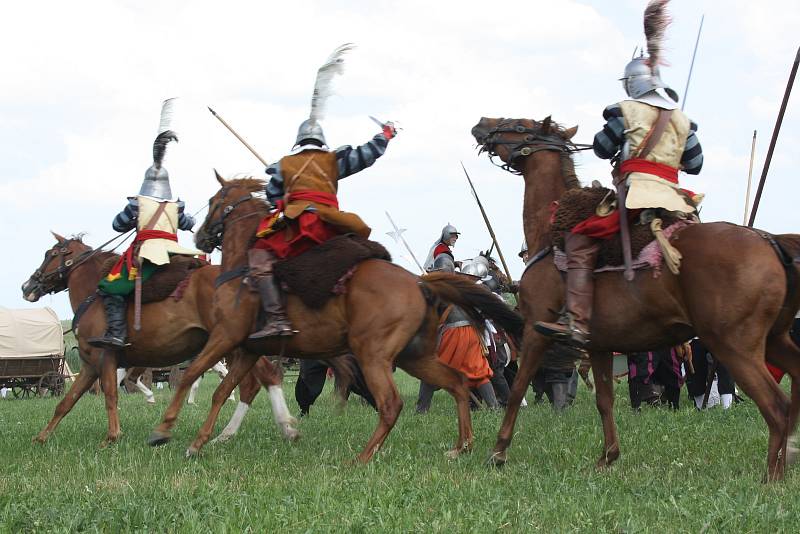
460, 349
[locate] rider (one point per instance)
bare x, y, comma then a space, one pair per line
440, 257
303, 187
156, 218
652, 140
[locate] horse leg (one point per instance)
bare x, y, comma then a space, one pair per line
218, 345
603, 371
147, 392
240, 367
378, 375
271, 377
745, 361
222, 371
108, 378
193, 391
782, 352
431, 371
80, 386
535, 346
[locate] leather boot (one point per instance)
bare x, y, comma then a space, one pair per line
261, 262
116, 323
573, 326
560, 397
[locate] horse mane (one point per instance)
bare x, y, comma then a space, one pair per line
571, 180
248, 183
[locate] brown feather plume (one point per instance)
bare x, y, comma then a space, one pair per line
656, 20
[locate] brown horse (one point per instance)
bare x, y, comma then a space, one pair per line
172, 332
387, 316
733, 292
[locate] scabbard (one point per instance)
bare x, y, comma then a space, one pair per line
137, 301
624, 230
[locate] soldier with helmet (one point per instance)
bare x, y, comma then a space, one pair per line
652, 141
157, 218
440, 257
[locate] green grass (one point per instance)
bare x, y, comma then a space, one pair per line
679, 472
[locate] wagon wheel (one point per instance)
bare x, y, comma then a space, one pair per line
52, 382
22, 390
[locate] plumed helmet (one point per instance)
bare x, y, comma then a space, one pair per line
156, 178
310, 129
639, 79
447, 231
156, 183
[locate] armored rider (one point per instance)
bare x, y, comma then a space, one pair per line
440, 257
156, 218
653, 141
303, 187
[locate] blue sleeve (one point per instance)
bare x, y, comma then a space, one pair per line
692, 158
126, 219
274, 187
185, 222
352, 160
609, 140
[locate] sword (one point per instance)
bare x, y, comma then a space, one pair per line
488, 224
397, 235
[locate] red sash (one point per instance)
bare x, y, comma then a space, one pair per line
127, 257
649, 167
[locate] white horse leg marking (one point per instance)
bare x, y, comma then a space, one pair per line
233, 425
283, 418
148, 393
193, 391
222, 371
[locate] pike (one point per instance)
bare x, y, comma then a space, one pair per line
691, 65
774, 139
397, 234
749, 179
486, 220
239, 137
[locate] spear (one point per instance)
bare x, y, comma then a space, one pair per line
398, 236
691, 65
774, 138
488, 224
239, 137
749, 178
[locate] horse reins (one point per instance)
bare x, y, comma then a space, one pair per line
217, 228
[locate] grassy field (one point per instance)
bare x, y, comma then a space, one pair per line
679, 472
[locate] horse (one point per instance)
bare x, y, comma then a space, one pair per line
730, 275
171, 333
386, 316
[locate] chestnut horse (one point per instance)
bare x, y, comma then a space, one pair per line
387, 316
172, 332
733, 291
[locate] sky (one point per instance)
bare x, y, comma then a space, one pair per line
83, 83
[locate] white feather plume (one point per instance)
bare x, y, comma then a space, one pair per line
323, 86
167, 110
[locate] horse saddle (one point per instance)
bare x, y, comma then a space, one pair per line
168, 280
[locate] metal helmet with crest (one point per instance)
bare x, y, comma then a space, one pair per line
447, 231
156, 178
641, 74
310, 129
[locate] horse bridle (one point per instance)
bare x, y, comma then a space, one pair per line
216, 229
534, 141
58, 277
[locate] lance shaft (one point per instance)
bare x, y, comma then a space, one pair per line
488, 224
774, 139
239, 137
691, 65
749, 178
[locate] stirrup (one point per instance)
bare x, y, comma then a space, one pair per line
280, 330
107, 342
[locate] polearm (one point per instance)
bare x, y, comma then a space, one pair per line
239, 137
399, 235
691, 65
774, 139
488, 224
749, 179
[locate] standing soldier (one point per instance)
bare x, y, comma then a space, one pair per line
156, 218
652, 140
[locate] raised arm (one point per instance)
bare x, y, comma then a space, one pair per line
352, 160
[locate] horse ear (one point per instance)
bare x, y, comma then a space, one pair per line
569, 133
546, 125
220, 179
59, 238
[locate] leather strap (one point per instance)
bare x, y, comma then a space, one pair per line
154, 219
654, 135
137, 284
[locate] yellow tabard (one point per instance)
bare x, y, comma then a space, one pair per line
157, 251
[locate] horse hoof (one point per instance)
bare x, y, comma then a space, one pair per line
192, 452
151, 400
222, 438
291, 434
158, 438
497, 459
40, 439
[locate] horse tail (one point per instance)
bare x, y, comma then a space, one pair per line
477, 301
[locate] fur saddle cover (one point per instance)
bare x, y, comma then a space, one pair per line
577, 205
166, 280
317, 275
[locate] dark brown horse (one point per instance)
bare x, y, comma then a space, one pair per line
387, 316
732, 291
172, 332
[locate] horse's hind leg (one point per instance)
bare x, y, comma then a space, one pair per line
241, 365
782, 352
431, 371
602, 369
108, 378
534, 346
378, 375
270, 376
81, 385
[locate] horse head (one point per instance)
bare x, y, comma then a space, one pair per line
232, 194
512, 140
52, 274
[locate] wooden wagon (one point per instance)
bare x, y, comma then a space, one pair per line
31, 352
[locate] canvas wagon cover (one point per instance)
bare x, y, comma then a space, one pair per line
30, 333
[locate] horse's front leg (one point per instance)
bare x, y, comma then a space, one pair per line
602, 369
108, 378
84, 381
